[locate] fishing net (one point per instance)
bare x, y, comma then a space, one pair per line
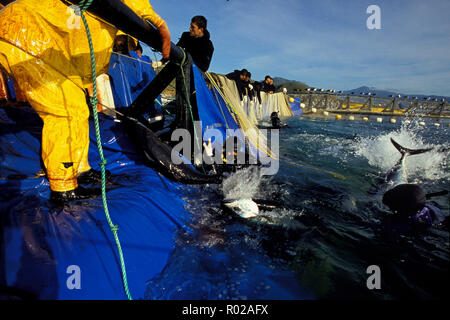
275, 102
244, 113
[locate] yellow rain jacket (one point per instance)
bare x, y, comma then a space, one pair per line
43, 45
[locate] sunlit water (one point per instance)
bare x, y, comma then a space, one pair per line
328, 227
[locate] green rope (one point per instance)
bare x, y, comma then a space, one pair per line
84, 4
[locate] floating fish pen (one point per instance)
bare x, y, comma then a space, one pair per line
319, 102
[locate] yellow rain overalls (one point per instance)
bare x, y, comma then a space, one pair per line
43, 45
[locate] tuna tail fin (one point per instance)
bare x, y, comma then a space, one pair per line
409, 152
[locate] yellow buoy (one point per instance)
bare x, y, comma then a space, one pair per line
325, 113
437, 124
365, 119
393, 120
338, 117
379, 119
291, 99
313, 110
422, 123
302, 105
351, 118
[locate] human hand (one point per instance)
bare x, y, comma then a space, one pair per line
165, 39
208, 148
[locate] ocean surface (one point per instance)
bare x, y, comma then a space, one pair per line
327, 227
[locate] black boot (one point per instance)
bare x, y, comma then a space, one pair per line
93, 177
76, 194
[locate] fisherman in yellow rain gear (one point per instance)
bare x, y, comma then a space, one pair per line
43, 45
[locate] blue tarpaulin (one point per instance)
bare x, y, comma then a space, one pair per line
295, 106
40, 243
129, 76
44, 246
213, 111
11, 90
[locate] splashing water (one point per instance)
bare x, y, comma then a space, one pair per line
284, 218
381, 153
242, 184
324, 232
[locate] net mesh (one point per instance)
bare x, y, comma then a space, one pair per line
245, 113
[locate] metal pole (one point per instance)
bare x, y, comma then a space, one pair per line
119, 15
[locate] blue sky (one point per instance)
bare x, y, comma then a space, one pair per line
326, 43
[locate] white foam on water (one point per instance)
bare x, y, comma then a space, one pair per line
246, 184
242, 184
381, 153
282, 217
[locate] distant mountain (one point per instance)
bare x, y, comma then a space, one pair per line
290, 85
386, 93
366, 89
294, 85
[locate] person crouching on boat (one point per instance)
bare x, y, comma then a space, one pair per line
43, 45
197, 43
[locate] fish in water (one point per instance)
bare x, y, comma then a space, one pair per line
159, 155
398, 172
249, 209
397, 175
408, 201
245, 208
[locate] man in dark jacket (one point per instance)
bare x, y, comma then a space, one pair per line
197, 43
241, 78
267, 85
237, 75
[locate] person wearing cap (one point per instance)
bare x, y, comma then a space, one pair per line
197, 43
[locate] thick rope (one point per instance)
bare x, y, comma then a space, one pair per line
189, 104
84, 4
